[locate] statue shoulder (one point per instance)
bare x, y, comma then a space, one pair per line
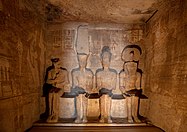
122, 73
89, 71
63, 69
49, 68
113, 71
99, 70
74, 70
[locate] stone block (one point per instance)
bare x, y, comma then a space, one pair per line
67, 108
118, 108
93, 108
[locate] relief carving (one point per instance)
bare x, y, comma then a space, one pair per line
5, 81
32, 59
42, 55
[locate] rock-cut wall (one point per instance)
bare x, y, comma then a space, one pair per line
21, 64
166, 66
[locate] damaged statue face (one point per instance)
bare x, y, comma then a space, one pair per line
106, 59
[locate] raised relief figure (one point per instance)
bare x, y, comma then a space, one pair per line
105, 82
57, 79
130, 81
82, 78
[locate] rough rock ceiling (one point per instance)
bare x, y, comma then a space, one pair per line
118, 11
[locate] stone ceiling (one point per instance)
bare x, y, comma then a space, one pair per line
117, 11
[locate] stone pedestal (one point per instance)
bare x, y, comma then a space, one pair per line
93, 108
118, 108
67, 108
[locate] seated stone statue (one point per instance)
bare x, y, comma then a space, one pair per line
130, 81
57, 79
82, 80
105, 83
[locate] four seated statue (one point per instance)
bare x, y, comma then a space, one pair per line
106, 81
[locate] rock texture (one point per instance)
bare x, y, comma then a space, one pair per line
166, 66
21, 64
118, 11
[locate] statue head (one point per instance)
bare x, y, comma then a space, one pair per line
130, 67
56, 63
106, 56
82, 59
131, 53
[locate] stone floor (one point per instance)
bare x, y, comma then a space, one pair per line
92, 122
96, 129
93, 125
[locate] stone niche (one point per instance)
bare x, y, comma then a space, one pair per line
66, 40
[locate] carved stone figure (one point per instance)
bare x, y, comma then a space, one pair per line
58, 80
130, 82
105, 82
82, 81
32, 59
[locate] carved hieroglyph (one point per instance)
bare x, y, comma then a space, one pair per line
130, 81
106, 81
82, 83
58, 79
20, 53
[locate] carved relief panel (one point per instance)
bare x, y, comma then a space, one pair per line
5, 81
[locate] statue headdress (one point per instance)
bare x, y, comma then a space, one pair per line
131, 53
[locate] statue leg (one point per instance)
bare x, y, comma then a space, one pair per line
85, 104
55, 107
102, 108
129, 109
78, 108
109, 100
135, 108
50, 103
50, 99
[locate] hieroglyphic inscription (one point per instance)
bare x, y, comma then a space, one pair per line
133, 36
57, 38
68, 39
